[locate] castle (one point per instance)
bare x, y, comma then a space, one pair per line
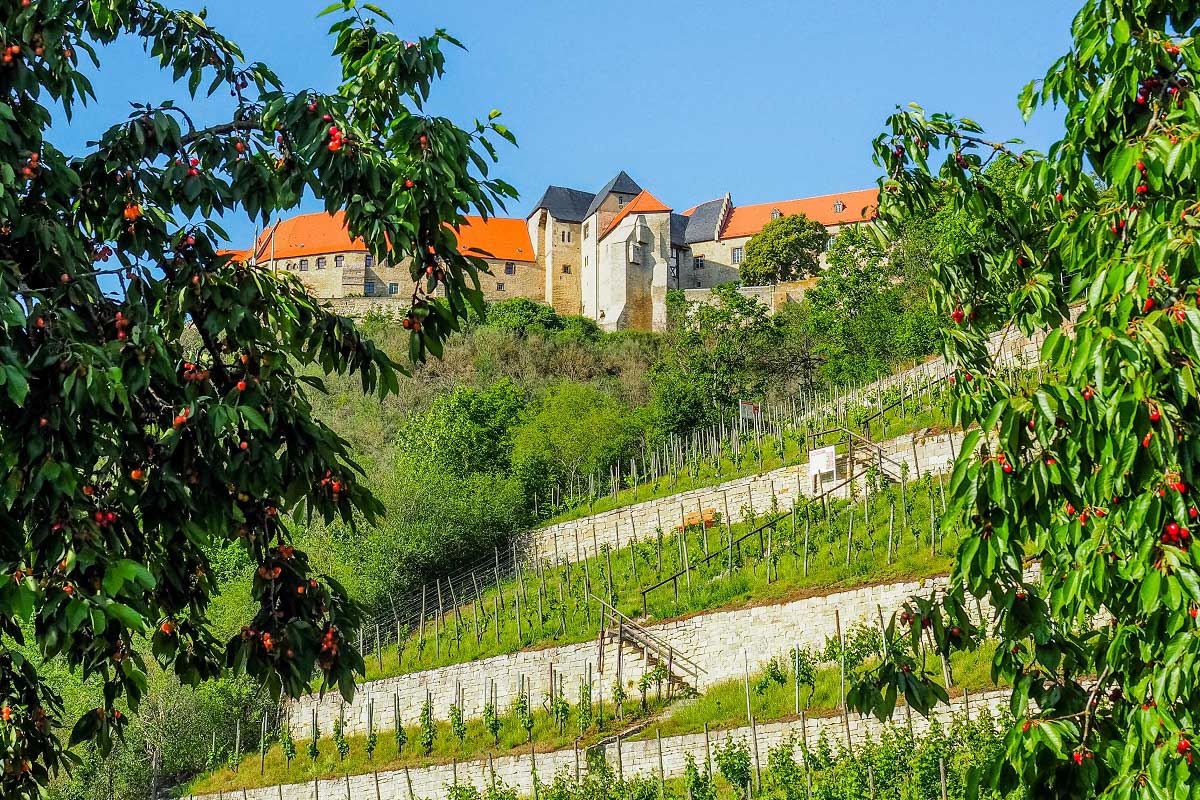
610, 256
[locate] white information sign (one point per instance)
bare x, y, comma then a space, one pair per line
823, 460
747, 410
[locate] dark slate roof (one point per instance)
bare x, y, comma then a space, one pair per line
703, 221
568, 205
622, 184
679, 226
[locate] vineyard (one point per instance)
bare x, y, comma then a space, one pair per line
876, 524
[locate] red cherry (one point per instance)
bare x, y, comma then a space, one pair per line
1088, 393
1154, 414
244, 445
1172, 529
328, 118
241, 386
1007, 468
957, 315
1058, 197
1149, 304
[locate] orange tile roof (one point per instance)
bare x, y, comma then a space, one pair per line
235, 256
321, 234
499, 238
644, 203
307, 235
749, 220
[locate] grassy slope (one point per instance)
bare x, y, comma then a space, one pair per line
723, 707
576, 620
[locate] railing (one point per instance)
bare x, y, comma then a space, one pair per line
686, 571
651, 645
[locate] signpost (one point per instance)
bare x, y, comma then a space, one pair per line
748, 411
823, 460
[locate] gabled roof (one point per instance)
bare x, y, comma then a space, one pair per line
679, 224
857, 206
622, 184
499, 238
568, 205
704, 221
307, 235
644, 203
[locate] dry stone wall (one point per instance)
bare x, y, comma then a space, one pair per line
720, 644
924, 453
628, 758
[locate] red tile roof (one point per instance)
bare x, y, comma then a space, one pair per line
858, 206
322, 234
235, 256
500, 238
644, 203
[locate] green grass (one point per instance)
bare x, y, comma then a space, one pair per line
574, 618
724, 704
476, 744
795, 447
722, 707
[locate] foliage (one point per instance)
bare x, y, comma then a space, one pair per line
458, 725
865, 314
339, 738
491, 721
576, 430
400, 737
699, 783
775, 673
428, 730
140, 427
860, 642
1090, 472
521, 711
786, 249
733, 761
286, 742
717, 353
525, 317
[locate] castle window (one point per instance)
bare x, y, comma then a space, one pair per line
369, 287
585, 261
510, 268
369, 261
698, 261
339, 261
393, 288
829, 241
587, 226
290, 266
304, 265
620, 202
566, 269
499, 287
566, 237
776, 213
321, 262
738, 255
839, 207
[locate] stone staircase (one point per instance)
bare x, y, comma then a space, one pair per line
682, 674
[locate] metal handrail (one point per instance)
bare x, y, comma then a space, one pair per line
661, 649
716, 553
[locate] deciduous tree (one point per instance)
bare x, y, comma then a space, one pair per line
1075, 486
143, 426
786, 249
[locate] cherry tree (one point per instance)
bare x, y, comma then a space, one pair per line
152, 391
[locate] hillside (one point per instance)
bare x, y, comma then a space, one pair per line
501, 435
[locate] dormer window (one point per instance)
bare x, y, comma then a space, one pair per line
839, 207
775, 214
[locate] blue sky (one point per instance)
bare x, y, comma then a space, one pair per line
767, 100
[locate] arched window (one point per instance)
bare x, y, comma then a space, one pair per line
839, 207
776, 214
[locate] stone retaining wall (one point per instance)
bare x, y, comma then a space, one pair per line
629, 759
721, 644
581, 538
